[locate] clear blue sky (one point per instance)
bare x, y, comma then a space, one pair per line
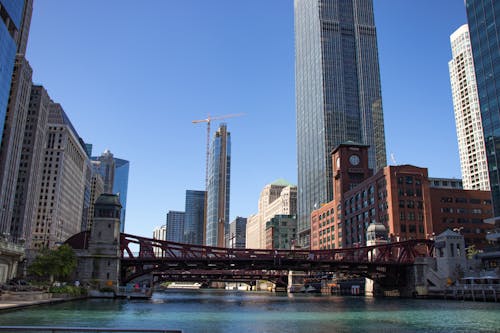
132, 75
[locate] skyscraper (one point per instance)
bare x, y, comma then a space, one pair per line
120, 186
106, 168
219, 172
467, 114
62, 186
193, 224
31, 164
11, 23
483, 17
338, 97
175, 226
237, 233
11, 145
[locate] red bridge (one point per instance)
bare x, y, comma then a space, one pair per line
387, 264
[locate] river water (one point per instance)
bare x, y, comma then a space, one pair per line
240, 312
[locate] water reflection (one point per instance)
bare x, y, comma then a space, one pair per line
240, 312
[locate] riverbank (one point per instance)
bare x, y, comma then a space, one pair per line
28, 300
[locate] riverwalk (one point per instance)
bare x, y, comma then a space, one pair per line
22, 303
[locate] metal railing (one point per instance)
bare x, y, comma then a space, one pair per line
47, 329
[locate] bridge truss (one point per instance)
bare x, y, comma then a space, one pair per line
386, 264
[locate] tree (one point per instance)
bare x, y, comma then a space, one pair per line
58, 263
471, 251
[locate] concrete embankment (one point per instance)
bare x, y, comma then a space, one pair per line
15, 300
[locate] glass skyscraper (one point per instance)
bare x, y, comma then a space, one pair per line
175, 226
219, 172
195, 213
11, 19
483, 17
338, 97
120, 186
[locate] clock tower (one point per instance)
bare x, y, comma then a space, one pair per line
350, 167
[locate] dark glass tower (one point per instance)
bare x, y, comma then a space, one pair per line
338, 97
483, 17
120, 187
11, 22
219, 172
193, 224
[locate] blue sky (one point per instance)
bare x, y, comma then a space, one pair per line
132, 75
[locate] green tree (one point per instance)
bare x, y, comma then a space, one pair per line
472, 251
58, 263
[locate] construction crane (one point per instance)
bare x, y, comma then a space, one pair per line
208, 120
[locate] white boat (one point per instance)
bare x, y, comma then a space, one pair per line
184, 285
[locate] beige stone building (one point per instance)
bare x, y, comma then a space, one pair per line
61, 195
277, 198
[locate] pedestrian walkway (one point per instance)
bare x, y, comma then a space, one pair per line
16, 304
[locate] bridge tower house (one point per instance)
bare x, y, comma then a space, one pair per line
376, 234
101, 265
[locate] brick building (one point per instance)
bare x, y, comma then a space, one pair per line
400, 197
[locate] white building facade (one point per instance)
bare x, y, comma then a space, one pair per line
467, 113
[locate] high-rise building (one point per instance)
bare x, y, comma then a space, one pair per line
338, 95
195, 213
219, 174
96, 189
277, 198
483, 17
281, 232
31, 163
467, 114
62, 185
175, 226
13, 18
106, 168
159, 233
11, 146
120, 186
237, 233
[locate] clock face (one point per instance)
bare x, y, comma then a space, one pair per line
354, 159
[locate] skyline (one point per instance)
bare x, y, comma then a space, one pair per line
101, 71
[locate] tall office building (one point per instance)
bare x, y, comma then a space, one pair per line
30, 166
11, 145
159, 233
467, 114
12, 20
338, 97
175, 226
483, 17
61, 195
195, 213
277, 198
96, 189
106, 168
219, 174
237, 233
120, 186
